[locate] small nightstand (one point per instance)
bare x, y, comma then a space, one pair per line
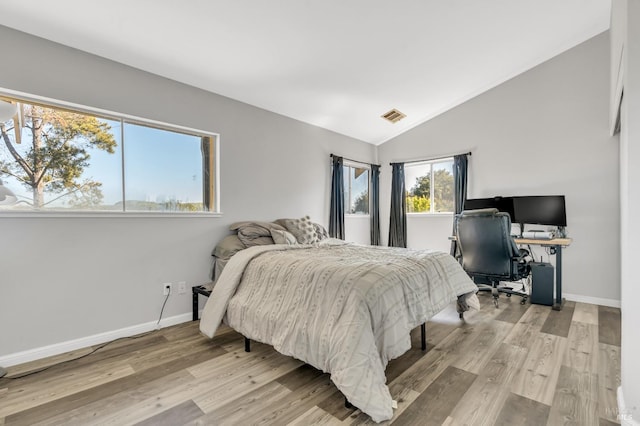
196, 290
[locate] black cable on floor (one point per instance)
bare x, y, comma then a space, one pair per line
138, 336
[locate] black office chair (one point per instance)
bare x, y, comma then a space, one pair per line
488, 253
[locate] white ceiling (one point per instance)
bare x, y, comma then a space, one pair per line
337, 64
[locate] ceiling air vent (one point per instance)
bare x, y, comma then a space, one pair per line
393, 116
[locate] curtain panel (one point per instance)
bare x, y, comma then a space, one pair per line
375, 205
398, 216
460, 166
336, 212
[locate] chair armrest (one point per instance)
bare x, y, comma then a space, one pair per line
519, 264
522, 254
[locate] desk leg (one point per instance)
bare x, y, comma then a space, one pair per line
557, 306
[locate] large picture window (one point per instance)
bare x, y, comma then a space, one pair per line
61, 159
356, 189
429, 187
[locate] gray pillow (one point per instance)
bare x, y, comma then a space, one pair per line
255, 228
283, 237
229, 246
254, 233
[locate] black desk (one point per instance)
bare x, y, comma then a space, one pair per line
556, 245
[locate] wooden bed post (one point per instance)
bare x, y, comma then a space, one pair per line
423, 336
247, 345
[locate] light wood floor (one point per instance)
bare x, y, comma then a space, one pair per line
516, 365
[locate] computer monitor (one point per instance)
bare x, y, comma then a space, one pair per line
540, 210
503, 204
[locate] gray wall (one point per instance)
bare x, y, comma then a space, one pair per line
67, 278
543, 132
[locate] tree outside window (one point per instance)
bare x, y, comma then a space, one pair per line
356, 190
48, 152
424, 197
54, 158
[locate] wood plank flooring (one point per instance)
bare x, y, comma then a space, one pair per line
516, 365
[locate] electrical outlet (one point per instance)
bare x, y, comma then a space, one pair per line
182, 287
166, 289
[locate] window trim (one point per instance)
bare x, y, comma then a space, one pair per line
431, 211
354, 164
46, 101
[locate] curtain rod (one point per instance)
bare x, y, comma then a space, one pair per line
355, 161
431, 159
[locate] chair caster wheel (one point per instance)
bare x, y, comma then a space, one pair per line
508, 294
523, 301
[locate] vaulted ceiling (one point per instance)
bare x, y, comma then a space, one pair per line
337, 64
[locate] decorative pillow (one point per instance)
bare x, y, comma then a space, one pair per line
283, 237
321, 231
229, 246
302, 229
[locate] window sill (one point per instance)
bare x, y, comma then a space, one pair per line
59, 214
429, 214
357, 216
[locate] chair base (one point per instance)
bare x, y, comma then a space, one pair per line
496, 290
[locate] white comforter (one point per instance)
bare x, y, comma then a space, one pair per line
343, 308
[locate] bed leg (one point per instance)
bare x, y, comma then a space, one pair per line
194, 304
347, 404
247, 345
423, 336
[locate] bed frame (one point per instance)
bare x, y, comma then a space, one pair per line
201, 290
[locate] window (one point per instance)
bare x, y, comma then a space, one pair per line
356, 189
422, 196
61, 159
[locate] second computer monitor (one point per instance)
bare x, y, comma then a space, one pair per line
537, 209
503, 204
540, 210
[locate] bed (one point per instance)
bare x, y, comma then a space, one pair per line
343, 308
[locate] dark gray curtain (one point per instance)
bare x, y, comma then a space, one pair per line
460, 165
375, 205
398, 220
336, 213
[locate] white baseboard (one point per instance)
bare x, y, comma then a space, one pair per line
593, 300
624, 416
83, 342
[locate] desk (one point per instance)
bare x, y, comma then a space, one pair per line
556, 244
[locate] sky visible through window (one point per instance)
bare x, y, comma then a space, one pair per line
356, 190
422, 183
160, 166
412, 173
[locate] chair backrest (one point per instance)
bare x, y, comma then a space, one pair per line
486, 246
